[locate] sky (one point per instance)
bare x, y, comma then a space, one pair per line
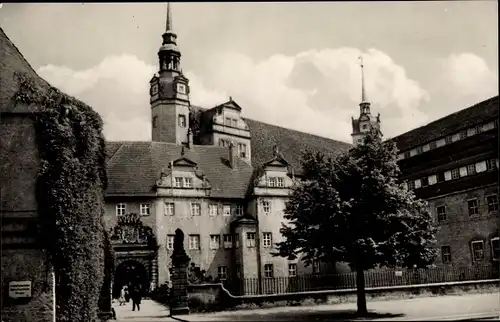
290, 64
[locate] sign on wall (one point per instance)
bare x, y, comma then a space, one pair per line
19, 289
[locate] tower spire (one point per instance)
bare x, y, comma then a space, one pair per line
169, 18
363, 95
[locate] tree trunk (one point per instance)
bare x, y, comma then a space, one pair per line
360, 288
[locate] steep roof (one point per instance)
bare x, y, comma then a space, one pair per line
461, 120
134, 167
12, 62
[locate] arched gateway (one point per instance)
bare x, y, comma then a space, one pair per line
136, 255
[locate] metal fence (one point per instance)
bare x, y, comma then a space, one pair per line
379, 278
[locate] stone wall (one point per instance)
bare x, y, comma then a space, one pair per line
27, 265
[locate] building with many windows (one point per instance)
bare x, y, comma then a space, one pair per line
453, 164
224, 180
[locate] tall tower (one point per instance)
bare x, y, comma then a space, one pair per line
365, 121
169, 92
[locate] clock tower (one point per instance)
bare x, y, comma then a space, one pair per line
169, 92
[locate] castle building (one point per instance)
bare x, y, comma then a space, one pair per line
224, 180
221, 178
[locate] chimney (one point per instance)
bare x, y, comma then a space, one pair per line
276, 151
190, 139
232, 155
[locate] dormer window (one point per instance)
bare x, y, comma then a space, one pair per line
188, 182
182, 120
242, 150
228, 121
280, 182
234, 122
178, 182
272, 182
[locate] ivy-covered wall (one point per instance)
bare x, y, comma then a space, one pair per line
70, 196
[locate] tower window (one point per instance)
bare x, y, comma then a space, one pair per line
182, 120
155, 122
365, 126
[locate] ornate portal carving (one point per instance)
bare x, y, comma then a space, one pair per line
130, 230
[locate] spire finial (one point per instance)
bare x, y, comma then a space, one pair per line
363, 95
169, 18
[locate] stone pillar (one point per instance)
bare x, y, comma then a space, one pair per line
178, 276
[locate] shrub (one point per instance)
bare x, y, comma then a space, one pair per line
70, 195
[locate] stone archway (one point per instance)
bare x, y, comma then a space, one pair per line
130, 272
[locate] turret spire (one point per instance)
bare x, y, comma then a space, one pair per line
363, 95
169, 18
364, 106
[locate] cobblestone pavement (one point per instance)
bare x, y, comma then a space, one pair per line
150, 311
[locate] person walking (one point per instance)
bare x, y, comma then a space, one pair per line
121, 299
136, 297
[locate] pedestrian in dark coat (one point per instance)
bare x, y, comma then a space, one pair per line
136, 297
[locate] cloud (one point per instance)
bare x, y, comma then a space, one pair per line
463, 80
316, 91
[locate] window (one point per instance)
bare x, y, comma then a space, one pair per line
462, 172
365, 126
239, 210
268, 271
155, 122
214, 241
492, 202
194, 242
481, 166
169, 208
182, 120
120, 209
195, 209
441, 177
495, 248
170, 242
316, 268
228, 241
432, 179
213, 209
236, 240
234, 122
188, 182
238, 270
242, 150
292, 270
418, 183
455, 174
250, 239
471, 169
471, 131
267, 240
447, 175
420, 150
178, 182
272, 182
145, 209
222, 272
266, 206
491, 164
463, 134
411, 185
407, 154
425, 181
441, 213
446, 254
477, 250
432, 145
222, 143
448, 139
280, 182
473, 207
479, 129
226, 210
228, 121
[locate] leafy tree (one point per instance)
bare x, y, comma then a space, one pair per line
353, 209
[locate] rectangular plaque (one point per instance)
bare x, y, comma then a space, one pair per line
19, 289
398, 273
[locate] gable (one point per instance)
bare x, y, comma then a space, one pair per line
232, 105
184, 162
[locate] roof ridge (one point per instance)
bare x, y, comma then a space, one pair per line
24, 58
446, 116
121, 146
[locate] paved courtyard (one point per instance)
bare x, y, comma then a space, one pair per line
444, 308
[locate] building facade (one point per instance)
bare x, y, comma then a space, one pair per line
224, 180
453, 164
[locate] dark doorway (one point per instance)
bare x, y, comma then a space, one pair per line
130, 273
